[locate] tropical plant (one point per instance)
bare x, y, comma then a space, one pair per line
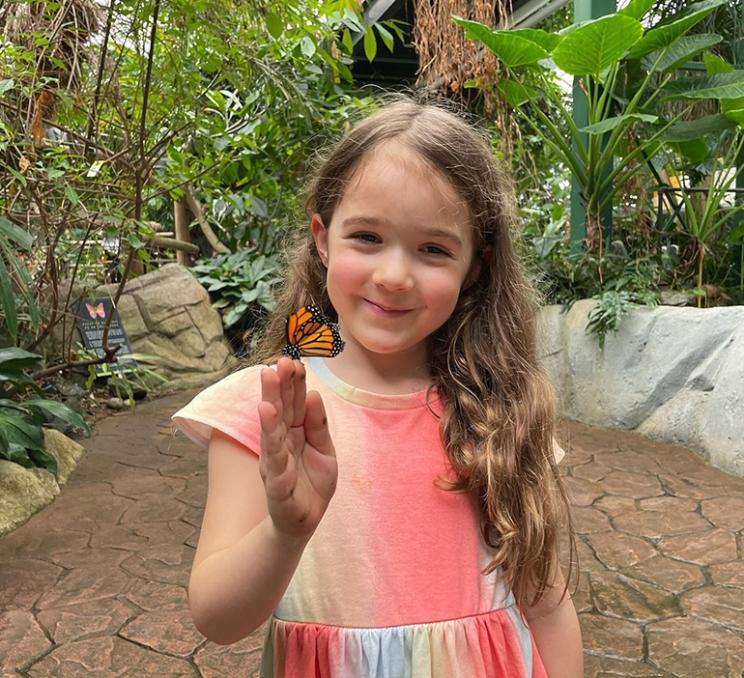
22, 419
625, 73
241, 285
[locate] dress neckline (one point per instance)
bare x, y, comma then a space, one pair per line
385, 401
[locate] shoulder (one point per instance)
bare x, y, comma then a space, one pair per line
229, 406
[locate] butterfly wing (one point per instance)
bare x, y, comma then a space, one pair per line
91, 310
310, 334
99, 310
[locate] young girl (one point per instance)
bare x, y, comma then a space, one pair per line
401, 517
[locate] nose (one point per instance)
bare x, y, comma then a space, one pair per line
393, 272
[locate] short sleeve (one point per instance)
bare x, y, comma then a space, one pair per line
229, 406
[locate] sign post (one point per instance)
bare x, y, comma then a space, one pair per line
91, 317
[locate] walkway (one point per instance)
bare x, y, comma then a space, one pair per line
95, 583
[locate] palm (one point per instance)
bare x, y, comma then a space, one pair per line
298, 463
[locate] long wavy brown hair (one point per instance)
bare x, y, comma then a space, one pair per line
498, 417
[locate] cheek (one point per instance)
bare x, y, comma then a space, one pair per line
344, 274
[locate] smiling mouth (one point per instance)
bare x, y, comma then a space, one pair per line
388, 310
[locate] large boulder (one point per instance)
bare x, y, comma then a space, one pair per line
24, 491
168, 314
674, 374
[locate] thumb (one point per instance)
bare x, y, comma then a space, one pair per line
316, 424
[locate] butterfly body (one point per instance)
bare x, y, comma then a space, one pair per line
309, 333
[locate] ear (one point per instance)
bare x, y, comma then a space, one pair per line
320, 236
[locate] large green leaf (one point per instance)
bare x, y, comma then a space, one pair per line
16, 234
716, 86
547, 41
17, 359
515, 92
609, 124
597, 45
695, 129
664, 35
45, 459
60, 411
637, 8
716, 64
671, 57
19, 431
7, 301
511, 48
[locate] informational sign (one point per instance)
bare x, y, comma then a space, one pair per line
91, 316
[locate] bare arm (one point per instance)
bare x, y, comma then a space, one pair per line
555, 627
260, 513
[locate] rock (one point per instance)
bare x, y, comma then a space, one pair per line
672, 374
23, 492
115, 403
67, 452
675, 298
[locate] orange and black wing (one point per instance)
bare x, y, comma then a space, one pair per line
309, 333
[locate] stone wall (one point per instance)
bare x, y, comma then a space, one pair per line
674, 374
167, 313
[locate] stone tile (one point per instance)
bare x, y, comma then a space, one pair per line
25, 581
635, 462
613, 637
40, 539
668, 504
22, 640
195, 493
103, 558
184, 467
136, 482
681, 486
655, 524
153, 595
83, 620
716, 604
582, 492
153, 510
120, 536
582, 596
170, 632
165, 563
613, 505
88, 511
634, 485
83, 585
615, 595
171, 532
587, 520
692, 647
617, 550
726, 512
728, 574
241, 658
592, 471
672, 575
109, 656
715, 546
608, 667
193, 516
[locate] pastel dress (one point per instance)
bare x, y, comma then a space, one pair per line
390, 584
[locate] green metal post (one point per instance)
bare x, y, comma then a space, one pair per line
583, 11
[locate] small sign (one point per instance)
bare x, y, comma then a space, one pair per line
91, 316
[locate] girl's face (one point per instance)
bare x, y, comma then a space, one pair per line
398, 250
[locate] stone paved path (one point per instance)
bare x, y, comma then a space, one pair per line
95, 583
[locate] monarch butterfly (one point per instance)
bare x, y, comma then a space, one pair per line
309, 333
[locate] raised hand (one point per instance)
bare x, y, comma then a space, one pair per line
297, 460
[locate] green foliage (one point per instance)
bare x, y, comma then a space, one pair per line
241, 285
21, 420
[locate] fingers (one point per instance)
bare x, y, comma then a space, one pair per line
285, 370
316, 424
300, 392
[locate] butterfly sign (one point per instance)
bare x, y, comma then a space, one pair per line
309, 333
95, 311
